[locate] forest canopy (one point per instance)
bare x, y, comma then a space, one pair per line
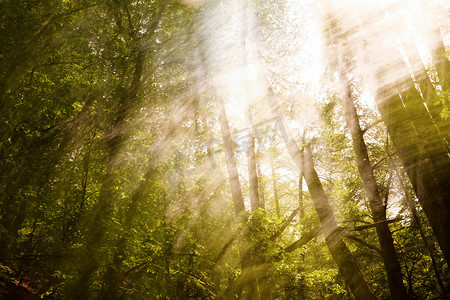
224, 149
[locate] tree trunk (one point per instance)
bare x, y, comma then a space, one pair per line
301, 205
265, 290
236, 191
434, 98
274, 185
391, 263
262, 200
418, 223
301, 210
417, 139
347, 265
417, 166
252, 173
238, 200
342, 256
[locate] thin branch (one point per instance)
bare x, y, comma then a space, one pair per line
304, 240
360, 241
377, 164
285, 224
371, 126
225, 247
364, 227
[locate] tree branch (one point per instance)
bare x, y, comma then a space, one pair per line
304, 240
360, 241
364, 227
377, 164
371, 125
285, 224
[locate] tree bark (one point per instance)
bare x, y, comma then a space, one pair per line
436, 101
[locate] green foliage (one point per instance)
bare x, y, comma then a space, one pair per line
107, 189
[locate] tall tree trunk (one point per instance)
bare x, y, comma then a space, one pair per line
391, 263
343, 257
434, 98
262, 199
236, 191
252, 173
418, 169
417, 165
274, 185
246, 261
264, 283
418, 223
238, 200
414, 134
347, 265
437, 102
301, 205
301, 210
431, 142
417, 140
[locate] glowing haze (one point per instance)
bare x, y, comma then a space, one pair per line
251, 50
248, 45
